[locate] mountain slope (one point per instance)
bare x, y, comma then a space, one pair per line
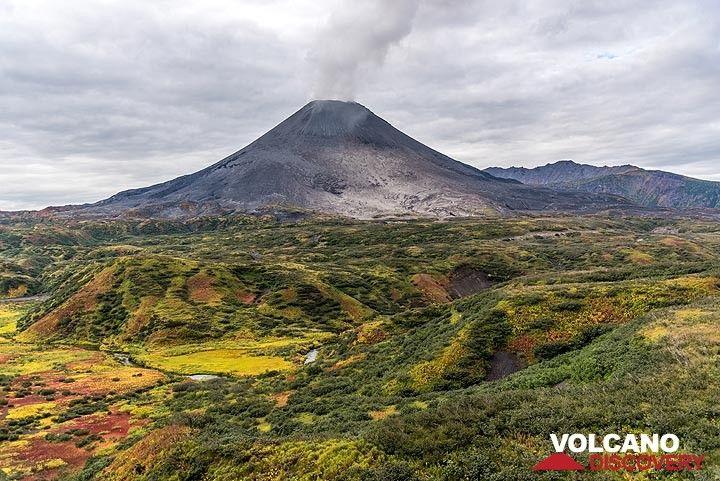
160, 300
340, 158
649, 188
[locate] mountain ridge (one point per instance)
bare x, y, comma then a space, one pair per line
648, 188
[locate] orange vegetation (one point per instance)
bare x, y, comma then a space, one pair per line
524, 344
83, 300
350, 360
120, 381
371, 333
152, 449
245, 297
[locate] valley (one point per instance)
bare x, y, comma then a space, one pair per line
444, 349
342, 241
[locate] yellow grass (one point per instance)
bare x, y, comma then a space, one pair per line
151, 450
354, 308
639, 257
306, 418
7, 453
93, 372
654, 333
243, 342
689, 333
383, 413
18, 291
54, 464
350, 360
709, 283
30, 410
113, 378
226, 361
371, 332
8, 319
25, 360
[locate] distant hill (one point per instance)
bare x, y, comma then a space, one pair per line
339, 158
648, 188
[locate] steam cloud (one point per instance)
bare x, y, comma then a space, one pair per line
357, 39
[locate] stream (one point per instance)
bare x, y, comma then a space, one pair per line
311, 357
204, 377
10, 300
125, 359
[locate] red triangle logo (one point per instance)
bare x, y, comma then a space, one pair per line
558, 462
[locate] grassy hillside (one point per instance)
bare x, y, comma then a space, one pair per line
161, 300
445, 350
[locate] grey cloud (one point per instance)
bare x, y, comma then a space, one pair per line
535, 99
99, 96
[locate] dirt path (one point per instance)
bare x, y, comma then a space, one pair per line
24, 299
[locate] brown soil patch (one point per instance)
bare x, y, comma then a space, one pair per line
378, 415
466, 281
281, 398
524, 344
18, 291
673, 242
5, 358
201, 288
433, 288
371, 333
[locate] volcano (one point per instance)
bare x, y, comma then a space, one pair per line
339, 158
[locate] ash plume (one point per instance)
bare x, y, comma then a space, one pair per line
355, 40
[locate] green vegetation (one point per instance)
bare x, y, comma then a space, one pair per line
611, 325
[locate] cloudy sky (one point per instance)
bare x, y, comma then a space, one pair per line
97, 96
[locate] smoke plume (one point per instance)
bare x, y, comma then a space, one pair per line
356, 41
